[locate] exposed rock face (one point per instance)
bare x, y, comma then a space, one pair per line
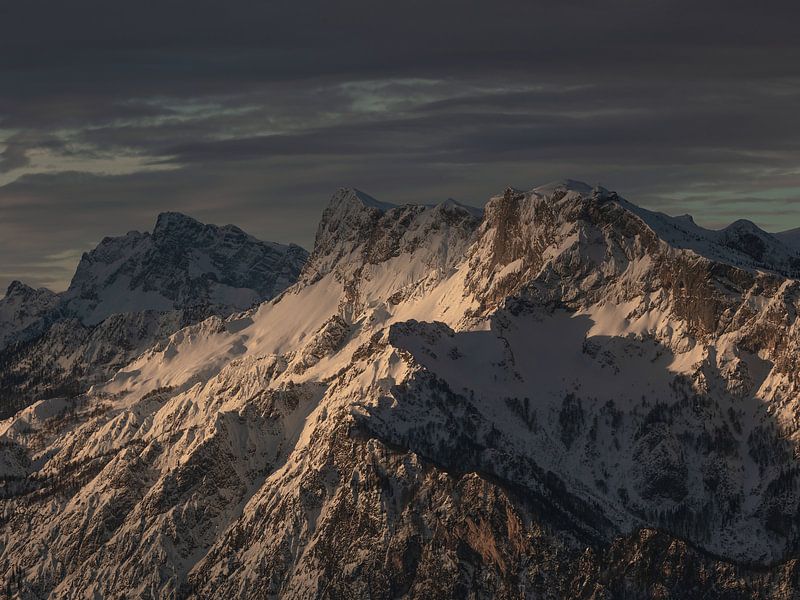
565, 396
128, 293
22, 308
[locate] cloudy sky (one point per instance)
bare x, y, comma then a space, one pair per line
253, 113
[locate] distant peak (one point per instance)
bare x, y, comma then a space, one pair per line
743, 225
356, 196
572, 185
512, 191
167, 221
451, 203
16, 287
22, 290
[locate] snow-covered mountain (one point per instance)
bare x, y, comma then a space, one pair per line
23, 307
562, 395
182, 264
790, 238
128, 293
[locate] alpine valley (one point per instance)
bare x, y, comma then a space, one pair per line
561, 395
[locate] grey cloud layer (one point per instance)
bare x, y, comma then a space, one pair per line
255, 112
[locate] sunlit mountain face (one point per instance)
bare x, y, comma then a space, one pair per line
548, 395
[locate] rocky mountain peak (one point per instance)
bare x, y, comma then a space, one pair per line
569, 185
746, 237
348, 201
175, 223
17, 288
21, 308
28, 298
363, 229
19, 292
744, 225
454, 206
349, 219
182, 263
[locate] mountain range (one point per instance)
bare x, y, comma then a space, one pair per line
559, 395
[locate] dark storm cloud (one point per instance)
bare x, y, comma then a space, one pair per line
254, 112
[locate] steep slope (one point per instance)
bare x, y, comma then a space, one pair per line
549, 398
790, 238
128, 293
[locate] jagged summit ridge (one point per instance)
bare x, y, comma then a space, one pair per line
572, 185
366, 199
172, 220
22, 307
350, 222
16, 287
183, 263
741, 243
177, 229
346, 200
355, 228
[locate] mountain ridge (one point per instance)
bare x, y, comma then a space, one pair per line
543, 398
786, 237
